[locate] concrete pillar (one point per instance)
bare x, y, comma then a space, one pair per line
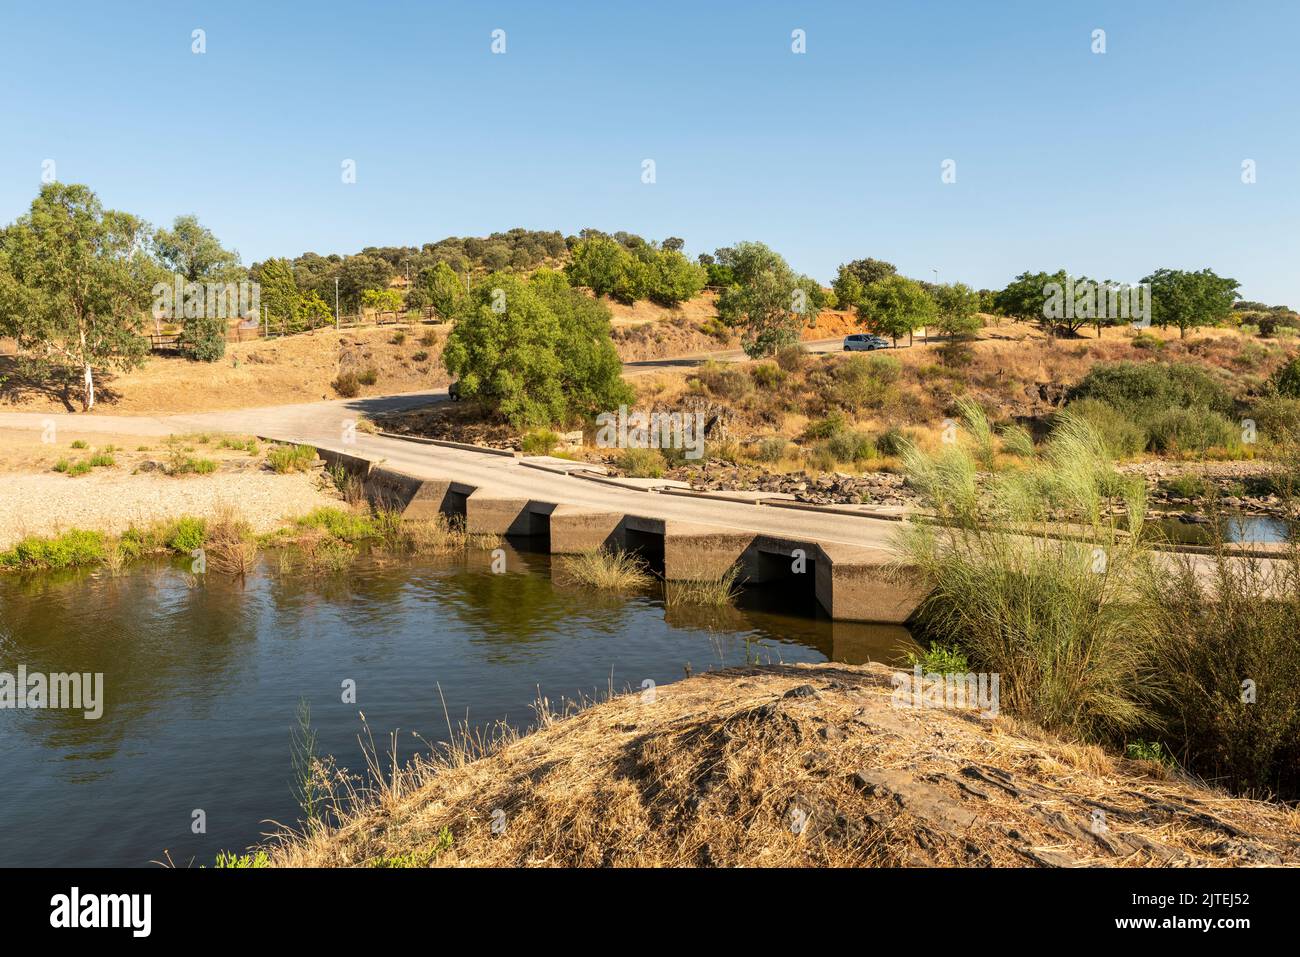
425, 501
704, 552
576, 529
862, 584
487, 513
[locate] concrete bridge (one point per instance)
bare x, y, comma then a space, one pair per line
686, 537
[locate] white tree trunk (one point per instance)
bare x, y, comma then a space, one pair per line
88, 390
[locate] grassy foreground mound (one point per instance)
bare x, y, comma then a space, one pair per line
792, 765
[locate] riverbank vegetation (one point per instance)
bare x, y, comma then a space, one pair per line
1098, 636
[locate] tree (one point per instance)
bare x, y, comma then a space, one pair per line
766, 300
896, 305
1026, 297
538, 352
75, 280
280, 296
1190, 299
599, 263
382, 300
443, 289
852, 279
956, 309
847, 288
672, 278
193, 252
359, 273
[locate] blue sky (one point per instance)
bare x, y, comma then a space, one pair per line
1107, 165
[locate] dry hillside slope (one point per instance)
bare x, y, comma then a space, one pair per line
793, 766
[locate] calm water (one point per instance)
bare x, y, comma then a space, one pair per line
1231, 527
203, 679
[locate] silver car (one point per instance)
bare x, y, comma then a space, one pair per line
864, 342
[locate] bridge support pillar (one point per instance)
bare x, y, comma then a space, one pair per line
861, 584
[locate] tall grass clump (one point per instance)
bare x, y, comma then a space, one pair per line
711, 593
1032, 577
1228, 644
609, 569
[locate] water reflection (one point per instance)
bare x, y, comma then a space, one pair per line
203, 676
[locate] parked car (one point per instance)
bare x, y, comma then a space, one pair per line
864, 342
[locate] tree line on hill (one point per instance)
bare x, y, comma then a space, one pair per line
76, 284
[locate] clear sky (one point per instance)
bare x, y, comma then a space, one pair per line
1108, 165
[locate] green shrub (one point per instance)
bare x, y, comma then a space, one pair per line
940, 659
187, 534
834, 423
1144, 340
420, 356
340, 523
771, 449
767, 376
1188, 486
1229, 650
892, 442
539, 442
1277, 418
291, 458
68, 550
1287, 379
368, 376
642, 463
398, 338
1122, 437
1192, 430
851, 446
102, 460
1143, 390
861, 381
81, 444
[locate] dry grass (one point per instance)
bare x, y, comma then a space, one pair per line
715, 593
787, 766
607, 569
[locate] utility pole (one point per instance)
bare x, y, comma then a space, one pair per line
336, 304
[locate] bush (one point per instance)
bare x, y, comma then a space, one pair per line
368, 376
539, 442
1287, 379
791, 358
772, 449
1277, 418
1142, 390
1192, 430
340, 523
398, 338
860, 382
63, 551
767, 376
1214, 632
832, 424
642, 463
851, 447
723, 381
291, 458
892, 442
81, 444
420, 356
1122, 437
187, 534
347, 385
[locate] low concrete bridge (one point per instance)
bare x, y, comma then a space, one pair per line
688, 537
